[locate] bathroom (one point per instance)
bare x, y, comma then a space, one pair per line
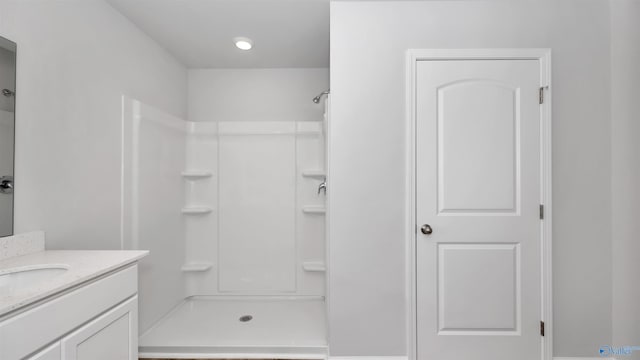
241, 179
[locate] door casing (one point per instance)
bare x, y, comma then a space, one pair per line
544, 58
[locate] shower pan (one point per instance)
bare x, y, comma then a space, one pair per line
235, 225
240, 327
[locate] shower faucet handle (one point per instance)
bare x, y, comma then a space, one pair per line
323, 186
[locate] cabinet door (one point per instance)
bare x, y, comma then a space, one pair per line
52, 352
111, 336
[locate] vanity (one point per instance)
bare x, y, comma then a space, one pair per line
71, 305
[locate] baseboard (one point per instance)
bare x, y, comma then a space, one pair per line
368, 358
583, 358
406, 358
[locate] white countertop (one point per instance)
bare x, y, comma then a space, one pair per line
83, 265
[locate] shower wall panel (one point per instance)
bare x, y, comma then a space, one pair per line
201, 241
310, 225
257, 244
153, 157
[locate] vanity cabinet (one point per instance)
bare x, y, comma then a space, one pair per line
97, 320
107, 337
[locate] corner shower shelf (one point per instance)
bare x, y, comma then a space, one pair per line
314, 266
196, 174
196, 267
314, 209
194, 210
316, 174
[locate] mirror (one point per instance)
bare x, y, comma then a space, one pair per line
7, 122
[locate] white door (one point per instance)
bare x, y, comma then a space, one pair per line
478, 281
111, 336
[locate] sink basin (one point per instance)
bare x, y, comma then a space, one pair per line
17, 281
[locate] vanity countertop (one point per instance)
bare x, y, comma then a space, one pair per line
83, 265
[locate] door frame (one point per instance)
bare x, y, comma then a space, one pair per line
412, 58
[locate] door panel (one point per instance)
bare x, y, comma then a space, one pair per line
483, 177
478, 187
111, 336
486, 273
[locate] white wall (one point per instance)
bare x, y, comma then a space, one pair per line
256, 94
75, 60
625, 132
367, 158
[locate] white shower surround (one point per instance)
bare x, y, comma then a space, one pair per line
206, 198
262, 241
151, 192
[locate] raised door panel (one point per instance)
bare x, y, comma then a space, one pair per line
477, 147
112, 336
478, 288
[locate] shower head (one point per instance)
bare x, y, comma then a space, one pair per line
317, 98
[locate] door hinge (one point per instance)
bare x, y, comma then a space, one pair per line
541, 95
541, 328
541, 211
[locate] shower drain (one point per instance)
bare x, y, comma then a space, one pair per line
245, 318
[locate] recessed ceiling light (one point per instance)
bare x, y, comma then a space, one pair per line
243, 43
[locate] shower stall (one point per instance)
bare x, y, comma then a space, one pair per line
233, 213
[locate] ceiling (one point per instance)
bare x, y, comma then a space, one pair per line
199, 33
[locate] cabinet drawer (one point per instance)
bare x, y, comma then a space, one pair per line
35, 328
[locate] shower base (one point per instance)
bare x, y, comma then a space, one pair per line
208, 327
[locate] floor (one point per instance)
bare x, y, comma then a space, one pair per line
212, 327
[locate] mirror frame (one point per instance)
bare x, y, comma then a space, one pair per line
10, 45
